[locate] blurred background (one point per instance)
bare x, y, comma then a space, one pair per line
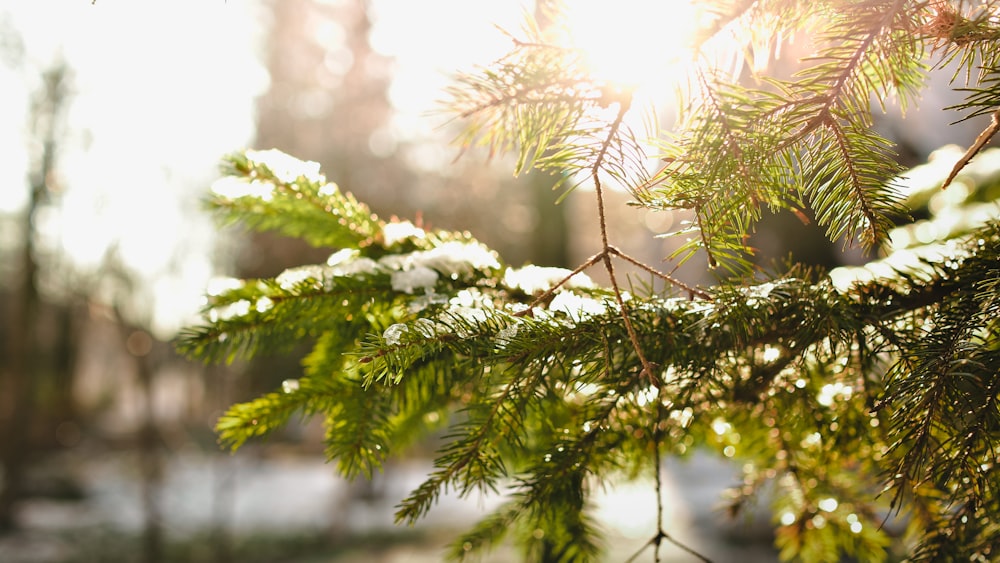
113, 117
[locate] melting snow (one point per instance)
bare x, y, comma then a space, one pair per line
295, 276
232, 187
408, 281
393, 233
506, 335
230, 311
394, 334
426, 300
221, 284
577, 307
286, 169
535, 279
457, 258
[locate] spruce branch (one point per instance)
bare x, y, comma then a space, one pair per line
832, 387
269, 190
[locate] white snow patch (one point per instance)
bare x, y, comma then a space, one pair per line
230, 311
286, 169
362, 265
349, 262
231, 187
426, 300
457, 258
535, 279
577, 307
393, 233
295, 276
264, 304
425, 327
505, 335
460, 320
342, 256
408, 281
221, 284
394, 334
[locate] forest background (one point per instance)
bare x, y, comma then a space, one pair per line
112, 133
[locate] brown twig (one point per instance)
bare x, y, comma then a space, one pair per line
691, 290
977, 146
543, 297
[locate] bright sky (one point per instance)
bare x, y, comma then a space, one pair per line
163, 89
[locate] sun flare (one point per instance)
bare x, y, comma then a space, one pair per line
642, 46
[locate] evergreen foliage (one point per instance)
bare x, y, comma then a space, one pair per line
863, 400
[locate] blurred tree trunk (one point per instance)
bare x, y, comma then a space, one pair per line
139, 344
21, 370
551, 234
552, 229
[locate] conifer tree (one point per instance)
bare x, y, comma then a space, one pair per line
855, 397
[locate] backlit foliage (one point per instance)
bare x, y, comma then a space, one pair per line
863, 401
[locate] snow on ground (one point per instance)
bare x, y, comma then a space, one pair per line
247, 494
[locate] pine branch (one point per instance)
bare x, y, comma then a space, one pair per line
818, 384
269, 190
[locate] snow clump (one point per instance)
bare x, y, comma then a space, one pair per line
286, 169
394, 334
293, 277
393, 233
409, 281
577, 307
535, 279
348, 262
231, 187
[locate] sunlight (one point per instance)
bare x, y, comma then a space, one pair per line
144, 129
642, 46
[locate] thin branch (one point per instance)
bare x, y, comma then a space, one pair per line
633, 336
657, 463
732, 140
689, 550
693, 291
856, 183
712, 262
992, 129
543, 297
